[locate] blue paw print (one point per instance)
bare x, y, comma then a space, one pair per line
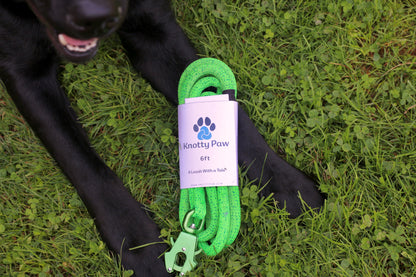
204, 132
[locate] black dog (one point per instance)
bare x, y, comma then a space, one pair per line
34, 33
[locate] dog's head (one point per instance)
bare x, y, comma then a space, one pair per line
76, 26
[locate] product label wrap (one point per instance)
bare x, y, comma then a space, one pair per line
208, 142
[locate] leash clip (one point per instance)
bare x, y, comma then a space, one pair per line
186, 244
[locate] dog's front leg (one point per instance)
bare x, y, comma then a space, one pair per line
121, 220
156, 46
280, 178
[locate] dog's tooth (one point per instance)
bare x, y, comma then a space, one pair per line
71, 47
94, 42
62, 40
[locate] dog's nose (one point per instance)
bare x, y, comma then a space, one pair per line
92, 18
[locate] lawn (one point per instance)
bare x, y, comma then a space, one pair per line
331, 86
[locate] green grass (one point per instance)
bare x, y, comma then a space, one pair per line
330, 85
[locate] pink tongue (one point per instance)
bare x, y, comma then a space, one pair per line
77, 42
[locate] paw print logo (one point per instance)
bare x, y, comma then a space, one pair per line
204, 128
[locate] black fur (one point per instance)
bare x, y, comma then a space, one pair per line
156, 45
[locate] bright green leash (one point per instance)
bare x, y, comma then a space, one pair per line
210, 216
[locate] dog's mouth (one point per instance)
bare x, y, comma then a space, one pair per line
77, 46
74, 49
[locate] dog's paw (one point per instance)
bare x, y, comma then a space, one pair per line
204, 130
136, 242
146, 261
129, 232
298, 197
292, 189
141, 249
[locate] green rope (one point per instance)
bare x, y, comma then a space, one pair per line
217, 209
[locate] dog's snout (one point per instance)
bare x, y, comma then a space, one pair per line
94, 18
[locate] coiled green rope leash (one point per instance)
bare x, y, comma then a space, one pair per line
212, 214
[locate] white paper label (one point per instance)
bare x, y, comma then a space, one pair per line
208, 142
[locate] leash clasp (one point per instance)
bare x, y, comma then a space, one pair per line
187, 245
